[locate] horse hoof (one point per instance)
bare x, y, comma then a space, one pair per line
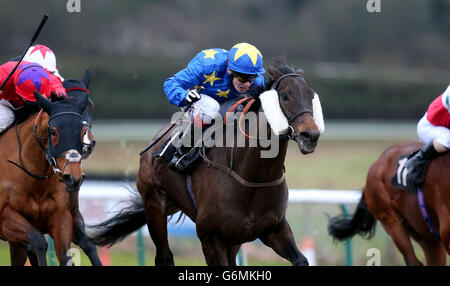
301, 261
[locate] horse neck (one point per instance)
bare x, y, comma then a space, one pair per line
252, 166
32, 155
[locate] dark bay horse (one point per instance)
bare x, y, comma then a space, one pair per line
398, 211
75, 89
40, 168
227, 211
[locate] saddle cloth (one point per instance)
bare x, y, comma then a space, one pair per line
406, 181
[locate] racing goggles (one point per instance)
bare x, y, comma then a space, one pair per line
243, 78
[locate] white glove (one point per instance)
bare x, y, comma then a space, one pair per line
272, 110
192, 96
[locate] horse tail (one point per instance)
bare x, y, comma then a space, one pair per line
118, 227
362, 223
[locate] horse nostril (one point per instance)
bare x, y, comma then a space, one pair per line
68, 179
310, 136
305, 135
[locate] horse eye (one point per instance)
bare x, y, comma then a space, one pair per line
284, 96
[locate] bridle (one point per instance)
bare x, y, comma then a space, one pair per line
51, 159
89, 146
291, 134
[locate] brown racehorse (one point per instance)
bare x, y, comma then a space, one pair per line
227, 211
398, 211
75, 89
40, 168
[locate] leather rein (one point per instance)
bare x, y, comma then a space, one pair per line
50, 158
290, 135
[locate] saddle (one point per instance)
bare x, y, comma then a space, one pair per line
184, 159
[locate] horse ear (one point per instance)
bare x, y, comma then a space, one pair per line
274, 73
43, 102
87, 78
82, 103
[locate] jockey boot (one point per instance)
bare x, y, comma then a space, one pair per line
416, 165
185, 154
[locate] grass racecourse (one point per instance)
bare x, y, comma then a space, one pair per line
336, 164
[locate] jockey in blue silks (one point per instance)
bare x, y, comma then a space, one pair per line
223, 75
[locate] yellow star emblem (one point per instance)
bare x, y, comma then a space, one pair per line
195, 88
223, 93
211, 78
247, 49
210, 54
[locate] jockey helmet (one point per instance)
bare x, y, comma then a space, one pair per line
45, 57
246, 59
32, 77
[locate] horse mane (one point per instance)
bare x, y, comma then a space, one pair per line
279, 63
22, 114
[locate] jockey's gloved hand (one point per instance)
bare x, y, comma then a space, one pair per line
192, 96
59, 94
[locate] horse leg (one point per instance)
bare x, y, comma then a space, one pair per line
399, 234
155, 212
232, 252
61, 231
281, 240
80, 238
18, 254
32, 256
434, 253
214, 250
18, 231
444, 226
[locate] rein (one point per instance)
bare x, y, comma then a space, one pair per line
290, 135
50, 158
238, 178
21, 165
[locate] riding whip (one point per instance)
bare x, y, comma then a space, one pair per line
33, 39
199, 90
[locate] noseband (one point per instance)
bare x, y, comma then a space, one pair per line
291, 132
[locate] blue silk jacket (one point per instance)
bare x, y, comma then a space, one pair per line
208, 69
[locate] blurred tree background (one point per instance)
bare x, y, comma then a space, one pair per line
386, 65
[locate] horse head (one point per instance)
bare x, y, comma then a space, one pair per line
65, 131
295, 100
75, 89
